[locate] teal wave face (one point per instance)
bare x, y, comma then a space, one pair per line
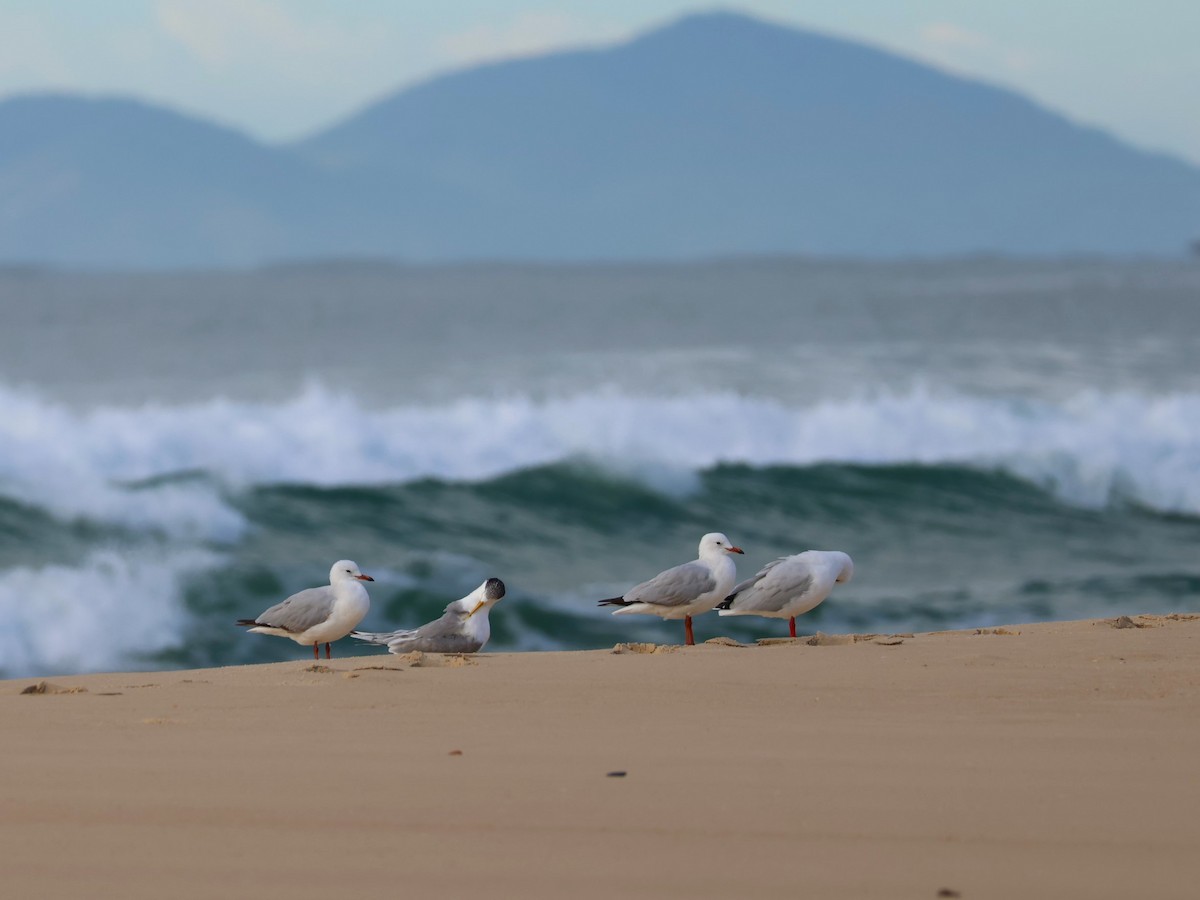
934, 547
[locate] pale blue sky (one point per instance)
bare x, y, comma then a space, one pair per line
282, 68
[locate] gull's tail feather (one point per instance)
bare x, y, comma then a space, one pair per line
249, 623
371, 637
614, 601
379, 637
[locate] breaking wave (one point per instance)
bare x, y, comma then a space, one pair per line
176, 469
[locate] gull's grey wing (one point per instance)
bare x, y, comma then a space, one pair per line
442, 635
675, 587
754, 579
301, 611
773, 586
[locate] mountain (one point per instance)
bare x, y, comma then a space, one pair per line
103, 182
718, 134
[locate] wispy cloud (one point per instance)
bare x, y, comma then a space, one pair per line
223, 34
526, 34
947, 34
964, 49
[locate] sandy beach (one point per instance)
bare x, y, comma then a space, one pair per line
1051, 760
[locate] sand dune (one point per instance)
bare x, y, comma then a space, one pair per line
1054, 760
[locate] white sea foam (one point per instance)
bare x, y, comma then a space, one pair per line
107, 612
1089, 449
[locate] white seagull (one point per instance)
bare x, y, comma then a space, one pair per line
463, 628
321, 614
686, 590
789, 586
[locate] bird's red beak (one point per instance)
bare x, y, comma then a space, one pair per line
369, 578
737, 550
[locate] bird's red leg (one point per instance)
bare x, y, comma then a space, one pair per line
687, 631
316, 652
792, 626
327, 656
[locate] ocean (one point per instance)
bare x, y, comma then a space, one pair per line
993, 441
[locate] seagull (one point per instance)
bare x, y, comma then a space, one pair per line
320, 614
789, 586
463, 628
686, 590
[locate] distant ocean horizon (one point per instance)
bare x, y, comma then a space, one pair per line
993, 441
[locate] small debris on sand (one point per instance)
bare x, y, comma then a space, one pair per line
725, 642
45, 687
420, 660
645, 648
821, 639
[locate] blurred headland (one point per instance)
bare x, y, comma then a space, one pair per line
717, 135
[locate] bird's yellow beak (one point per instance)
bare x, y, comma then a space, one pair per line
478, 606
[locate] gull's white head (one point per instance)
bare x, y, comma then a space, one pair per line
847, 568
485, 596
346, 570
715, 543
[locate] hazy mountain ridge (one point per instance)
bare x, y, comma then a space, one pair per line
718, 134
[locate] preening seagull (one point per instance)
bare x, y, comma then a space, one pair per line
463, 627
321, 614
686, 590
789, 586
